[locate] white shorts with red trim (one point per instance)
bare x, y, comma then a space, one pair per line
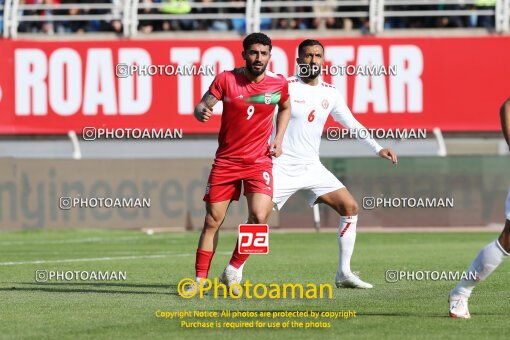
314, 178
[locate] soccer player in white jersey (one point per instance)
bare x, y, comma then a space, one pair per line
491, 256
299, 166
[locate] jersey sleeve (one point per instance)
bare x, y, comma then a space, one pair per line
343, 115
217, 87
285, 92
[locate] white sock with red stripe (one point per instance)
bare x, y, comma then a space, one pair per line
346, 239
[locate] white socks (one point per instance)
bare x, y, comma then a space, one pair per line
346, 239
489, 258
231, 267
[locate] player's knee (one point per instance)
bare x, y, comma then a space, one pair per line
505, 243
504, 239
259, 216
349, 208
213, 220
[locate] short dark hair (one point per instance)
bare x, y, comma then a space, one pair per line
257, 38
306, 43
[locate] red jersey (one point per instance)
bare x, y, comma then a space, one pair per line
247, 119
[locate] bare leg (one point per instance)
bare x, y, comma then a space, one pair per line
504, 238
259, 208
209, 237
345, 205
342, 201
213, 219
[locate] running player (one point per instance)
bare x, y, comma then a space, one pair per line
491, 256
250, 95
299, 167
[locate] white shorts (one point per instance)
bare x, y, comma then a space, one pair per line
313, 177
507, 205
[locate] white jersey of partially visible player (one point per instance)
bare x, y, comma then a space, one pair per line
299, 166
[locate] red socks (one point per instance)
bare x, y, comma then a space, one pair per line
203, 262
237, 259
204, 258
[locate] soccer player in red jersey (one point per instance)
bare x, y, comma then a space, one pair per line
250, 95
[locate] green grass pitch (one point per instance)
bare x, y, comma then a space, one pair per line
155, 264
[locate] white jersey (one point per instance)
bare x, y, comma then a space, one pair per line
310, 108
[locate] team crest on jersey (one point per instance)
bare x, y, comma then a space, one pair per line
267, 98
325, 104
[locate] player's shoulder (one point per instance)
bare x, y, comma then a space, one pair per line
327, 85
229, 73
330, 89
222, 76
292, 79
237, 70
275, 76
332, 93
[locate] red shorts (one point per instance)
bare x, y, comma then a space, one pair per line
225, 182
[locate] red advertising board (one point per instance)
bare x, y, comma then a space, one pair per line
52, 87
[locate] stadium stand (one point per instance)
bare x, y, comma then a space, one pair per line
146, 16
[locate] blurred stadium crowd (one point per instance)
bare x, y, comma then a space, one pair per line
175, 8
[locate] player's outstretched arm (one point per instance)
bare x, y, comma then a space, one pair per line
203, 111
282, 120
505, 120
344, 116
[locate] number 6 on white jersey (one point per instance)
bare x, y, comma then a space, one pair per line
266, 176
250, 111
